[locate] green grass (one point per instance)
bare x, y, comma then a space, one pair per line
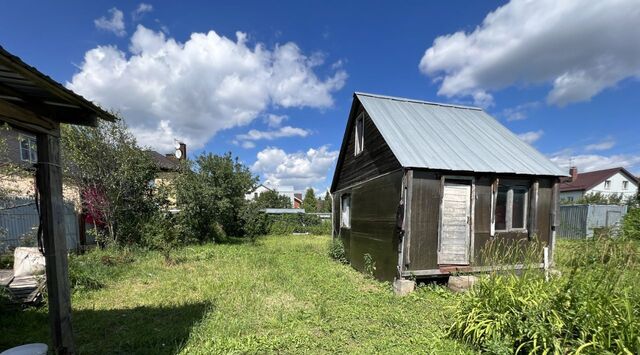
282, 294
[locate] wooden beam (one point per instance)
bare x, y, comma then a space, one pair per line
49, 177
57, 112
25, 118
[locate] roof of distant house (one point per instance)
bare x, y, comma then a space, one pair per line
163, 162
588, 180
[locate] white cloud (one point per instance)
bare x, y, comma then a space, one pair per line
141, 10
579, 47
114, 24
301, 169
519, 112
282, 132
590, 162
274, 121
531, 136
166, 89
604, 144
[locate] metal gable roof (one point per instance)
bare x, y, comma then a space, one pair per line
448, 137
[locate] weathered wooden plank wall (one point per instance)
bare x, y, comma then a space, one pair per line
376, 158
374, 205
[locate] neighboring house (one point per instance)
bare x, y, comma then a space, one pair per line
168, 167
612, 181
22, 152
288, 191
420, 188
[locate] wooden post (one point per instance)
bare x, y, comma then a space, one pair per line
55, 244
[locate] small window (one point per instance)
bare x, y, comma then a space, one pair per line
345, 211
28, 149
359, 134
511, 207
625, 185
607, 185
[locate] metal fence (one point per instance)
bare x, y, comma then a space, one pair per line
19, 224
580, 221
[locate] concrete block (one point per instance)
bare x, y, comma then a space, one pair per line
403, 287
461, 283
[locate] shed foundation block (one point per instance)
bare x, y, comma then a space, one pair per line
403, 287
461, 283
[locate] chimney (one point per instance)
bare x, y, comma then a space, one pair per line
573, 171
183, 148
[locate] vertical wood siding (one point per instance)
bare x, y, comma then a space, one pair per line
376, 158
425, 206
373, 229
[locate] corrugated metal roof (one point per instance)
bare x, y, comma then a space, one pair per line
447, 137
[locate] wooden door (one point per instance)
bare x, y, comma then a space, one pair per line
455, 224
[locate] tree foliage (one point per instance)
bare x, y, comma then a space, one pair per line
210, 195
310, 202
113, 175
327, 203
597, 198
272, 199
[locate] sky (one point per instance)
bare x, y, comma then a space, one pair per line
273, 82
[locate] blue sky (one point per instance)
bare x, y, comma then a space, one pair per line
273, 83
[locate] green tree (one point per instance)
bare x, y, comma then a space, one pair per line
113, 175
597, 198
272, 199
210, 195
327, 203
310, 202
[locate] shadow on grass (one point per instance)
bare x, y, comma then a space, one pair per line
140, 330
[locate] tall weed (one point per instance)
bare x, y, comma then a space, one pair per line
594, 307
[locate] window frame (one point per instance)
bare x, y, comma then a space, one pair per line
31, 150
344, 225
358, 136
512, 185
607, 184
625, 185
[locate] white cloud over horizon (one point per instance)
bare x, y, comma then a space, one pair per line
579, 48
246, 140
605, 144
531, 136
591, 162
114, 24
298, 169
166, 89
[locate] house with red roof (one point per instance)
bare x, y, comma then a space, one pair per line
618, 181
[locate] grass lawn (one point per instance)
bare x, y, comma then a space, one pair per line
282, 294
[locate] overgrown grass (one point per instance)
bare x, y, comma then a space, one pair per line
593, 307
280, 294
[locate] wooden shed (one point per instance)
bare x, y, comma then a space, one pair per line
37, 104
421, 187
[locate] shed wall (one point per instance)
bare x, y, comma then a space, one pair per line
376, 158
422, 249
373, 231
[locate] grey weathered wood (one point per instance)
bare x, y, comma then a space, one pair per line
55, 245
533, 220
455, 224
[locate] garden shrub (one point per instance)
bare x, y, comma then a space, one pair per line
337, 252
594, 306
297, 223
162, 233
631, 224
